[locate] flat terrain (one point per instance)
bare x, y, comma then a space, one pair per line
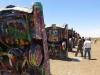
84, 67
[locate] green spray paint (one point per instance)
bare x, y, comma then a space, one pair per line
27, 22
66, 54
15, 33
42, 70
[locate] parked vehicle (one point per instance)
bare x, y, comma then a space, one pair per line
73, 37
23, 41
70, 39
57, 39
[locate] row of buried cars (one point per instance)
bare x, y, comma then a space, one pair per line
26, 44
58, 39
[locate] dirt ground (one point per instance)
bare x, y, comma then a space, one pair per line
84, 67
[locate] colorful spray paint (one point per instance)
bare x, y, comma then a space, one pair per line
57, 41
23, 40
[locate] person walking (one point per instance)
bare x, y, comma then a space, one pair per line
87, 47
80, 46
95, 41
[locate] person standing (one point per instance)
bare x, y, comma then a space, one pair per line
87, 47
83, 39
89, 38
95, 41
80, 46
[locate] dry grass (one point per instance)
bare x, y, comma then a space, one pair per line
85, 67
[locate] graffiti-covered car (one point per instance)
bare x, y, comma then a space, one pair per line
57, 39
70, 39
23, 41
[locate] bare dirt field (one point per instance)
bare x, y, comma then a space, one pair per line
84, 67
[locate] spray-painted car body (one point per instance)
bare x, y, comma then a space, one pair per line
71, 39
74, 38
57, 38
23, 41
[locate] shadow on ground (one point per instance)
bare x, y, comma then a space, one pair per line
93, 59
63, 59
77, 59
72, 51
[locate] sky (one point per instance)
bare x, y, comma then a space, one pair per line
81, 15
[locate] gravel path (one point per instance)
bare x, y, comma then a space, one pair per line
85, 67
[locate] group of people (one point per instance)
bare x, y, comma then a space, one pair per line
84, 44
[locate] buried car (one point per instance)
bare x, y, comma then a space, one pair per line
23, 42
57, 39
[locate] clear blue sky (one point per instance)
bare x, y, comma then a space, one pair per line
82, 15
